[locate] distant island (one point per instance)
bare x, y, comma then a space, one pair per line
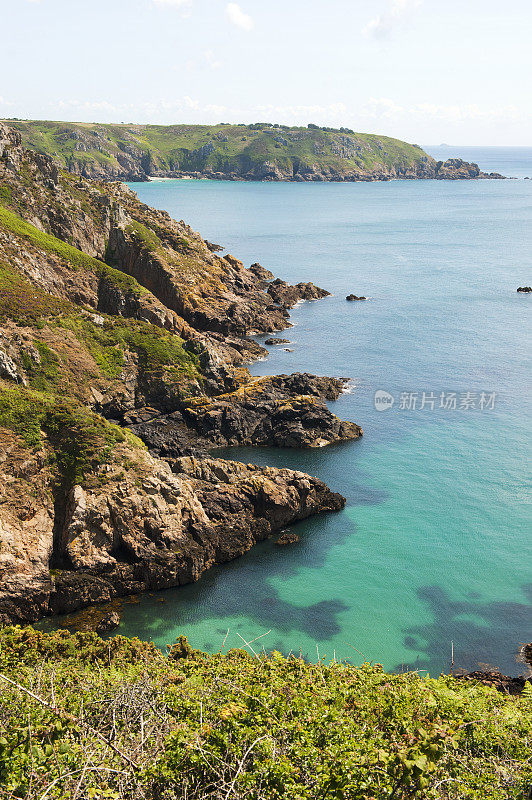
261, 151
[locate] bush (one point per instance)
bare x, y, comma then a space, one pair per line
235, 726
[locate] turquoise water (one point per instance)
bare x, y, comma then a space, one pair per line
435, 542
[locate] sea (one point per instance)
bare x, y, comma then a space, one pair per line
430, 564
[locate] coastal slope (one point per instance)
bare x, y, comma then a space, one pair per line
124, 339
260, 151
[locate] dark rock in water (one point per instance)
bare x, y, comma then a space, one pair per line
288, 350
214, 248
287, 296
287, 538
503, 683
525, 289
457, 169
355, 297
261, 272
108, 623
277, 341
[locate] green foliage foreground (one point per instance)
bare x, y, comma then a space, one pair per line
117, 719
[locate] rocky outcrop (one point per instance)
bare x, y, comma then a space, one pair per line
160, 526
457, 169
524, 289
110, 306
280, 411
352, 297
287, 296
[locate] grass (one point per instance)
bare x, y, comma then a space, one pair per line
24, 302
72, 256
80, 441
44, 373
159, 352
116, 719
235, 147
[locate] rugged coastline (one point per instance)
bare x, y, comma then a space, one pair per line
256, 152
124, 339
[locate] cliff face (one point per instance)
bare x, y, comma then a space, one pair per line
124, 339
259, 152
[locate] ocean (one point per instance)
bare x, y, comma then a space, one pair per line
433, 551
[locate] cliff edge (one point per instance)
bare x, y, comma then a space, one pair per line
124, 339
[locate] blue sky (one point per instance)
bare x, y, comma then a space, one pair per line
428, 71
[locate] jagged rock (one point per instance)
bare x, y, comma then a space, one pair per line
355, 297
276, 341
287, 296
8, 368
524, 289
158, 527
214, 248
494, 678
108, 623
287, 538
261, 272
122, 520
458, 169
278, 411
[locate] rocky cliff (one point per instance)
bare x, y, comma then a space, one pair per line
124, 339
258, 152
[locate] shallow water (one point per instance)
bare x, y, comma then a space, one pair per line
435, 542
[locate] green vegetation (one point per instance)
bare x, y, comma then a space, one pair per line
116, 719
44, 371
73, 257
145, 236
217, 148
24, 302
80, 440
159, 352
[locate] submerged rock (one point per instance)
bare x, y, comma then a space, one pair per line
289, 537
108, 623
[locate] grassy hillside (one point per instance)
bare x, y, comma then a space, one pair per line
83, 717
242, 150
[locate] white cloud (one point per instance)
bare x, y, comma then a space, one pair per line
4, 102
238, 17
397, 12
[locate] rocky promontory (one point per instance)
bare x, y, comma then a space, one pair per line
256, 152
124, 340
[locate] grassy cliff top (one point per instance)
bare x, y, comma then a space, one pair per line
117, 719
224, 147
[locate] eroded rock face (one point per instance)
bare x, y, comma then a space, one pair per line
287, 296
161, 526
279, 411
175, 373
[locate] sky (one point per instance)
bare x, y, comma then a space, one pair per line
427, 71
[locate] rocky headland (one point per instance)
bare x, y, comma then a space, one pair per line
124, 340
256, 152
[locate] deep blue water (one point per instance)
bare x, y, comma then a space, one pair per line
435, 542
